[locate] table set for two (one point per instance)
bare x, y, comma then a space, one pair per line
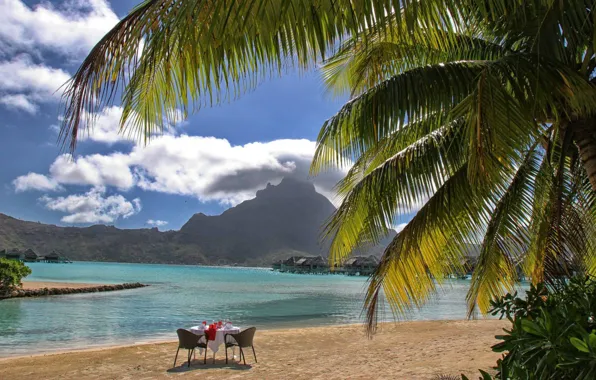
212, 336
215, 334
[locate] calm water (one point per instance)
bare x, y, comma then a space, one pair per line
181, 296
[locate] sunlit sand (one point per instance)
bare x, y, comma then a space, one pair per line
408, 350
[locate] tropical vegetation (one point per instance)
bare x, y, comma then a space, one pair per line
478, 114
553, 333
11, 274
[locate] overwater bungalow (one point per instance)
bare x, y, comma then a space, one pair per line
54, 257
312, 265
15, 254
289, 264
360, 265
30, 256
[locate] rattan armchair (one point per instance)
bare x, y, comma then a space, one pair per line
241, 340
190, 341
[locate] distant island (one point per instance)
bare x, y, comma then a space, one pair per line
280, 222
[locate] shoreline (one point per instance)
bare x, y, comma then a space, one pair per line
126, 344
145, 342
76, 350
409, 349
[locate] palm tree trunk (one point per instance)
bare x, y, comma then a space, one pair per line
584, 135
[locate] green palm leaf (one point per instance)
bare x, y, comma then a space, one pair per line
505, 239
480, 111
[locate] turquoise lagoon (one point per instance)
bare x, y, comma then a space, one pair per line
182, 296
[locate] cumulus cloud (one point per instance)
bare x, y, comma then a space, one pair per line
157, 223
213, 169
92, 207
94, 170
106, 127
34, 181
207, 168
24, 84
19, 102
70, 28
22, 75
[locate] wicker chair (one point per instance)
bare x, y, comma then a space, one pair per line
190, 341
241, 340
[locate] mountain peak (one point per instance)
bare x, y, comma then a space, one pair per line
284, 219
289, 187
296, 182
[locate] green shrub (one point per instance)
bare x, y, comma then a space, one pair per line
553, 332
11, 273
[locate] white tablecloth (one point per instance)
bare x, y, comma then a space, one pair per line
219, 336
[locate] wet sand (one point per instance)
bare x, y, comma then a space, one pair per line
406, 350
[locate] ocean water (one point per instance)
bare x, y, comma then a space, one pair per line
183, 296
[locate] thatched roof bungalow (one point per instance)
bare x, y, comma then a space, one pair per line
313, 264
361, 265
300, 262
30, 256
289, 264
53, 257
291, 261
14, 254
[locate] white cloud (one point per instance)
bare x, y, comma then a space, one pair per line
213, 169
157, 223
106, 129
92, 207
39, 81
207, 168
34, 181
95, 170
24, 84
19, 102
70, 29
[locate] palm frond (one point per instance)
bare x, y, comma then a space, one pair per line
364, 61
391, 145
398, 185
206, 51
505, 239
431, 245
378, 112
559, 238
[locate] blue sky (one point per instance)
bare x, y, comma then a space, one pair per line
212, 161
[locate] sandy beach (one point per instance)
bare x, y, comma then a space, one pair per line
407, 350
30, 285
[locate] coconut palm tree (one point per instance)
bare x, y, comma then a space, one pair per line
478, 114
